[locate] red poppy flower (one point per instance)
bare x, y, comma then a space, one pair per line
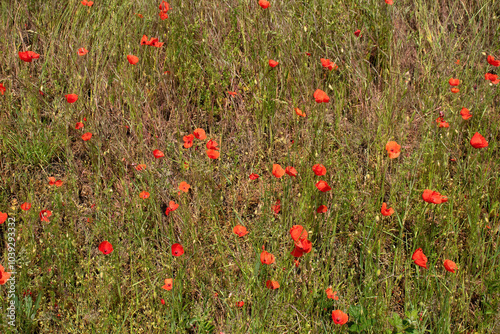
2, 88
3, 217
253, 176
454, 82
25, 206
184, 186
450, 266
52, 180
28, 56
339, 317
87, 3
4, 276
385, 211
319, 169
419, 258
164, 6
433, 197
455, 90
320, 96
393, 149
144, 194
490, 76
278, 171
266, 257
139, 15
213, 154
71, 98
323, 186
163, 15
298, 233
264, 3
212, 145
273, 63
79, 125
172, 206
169, 282
491, 60
45, 215
322, 209
86, 136
305, 245
308, 53
441, 123
158, 154
465, 113
277, 207
132, 59
232, 93
330, 294
291, 171
478, 141
106, 247
200, 134
59, 183
240, 304
357, 33
140, 167
144, 40
240, 230
273, 285
177, 250
297, 252
82, 51
327, 63
300, 112
188, 140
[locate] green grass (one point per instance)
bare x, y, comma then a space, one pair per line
391, 84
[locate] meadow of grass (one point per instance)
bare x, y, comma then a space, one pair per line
391, 85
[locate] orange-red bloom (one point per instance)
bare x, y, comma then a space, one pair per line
327, 63
4, 276
491, 60
491, 77
105, 247
433, 197
140, 167
291, 171
330, 294
177, 250
465, 113
357, 33
455, 90
184, 186
212, 145
158, 154
169, 282
71, 98
78, 125
322, 209
213, 154
200, 134
87, 3
478, 141
320, 96
82, 51
454, 82
338, 316
232, 93
266, 257
323, 186
441, 123
389, 2
419, 258
319, 169
45, 215
298, 233
450, 266
3, 217
28, 56
273, 63
385, 211
2, 89
300, 112
276, 207
188, 140
273, 285
240, 230
144, 194
253, 176
132, 59
86, 136
172, 206
394, 149
25, 206
264, 3
278, 171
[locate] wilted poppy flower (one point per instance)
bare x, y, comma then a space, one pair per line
4, 276
300, 112
240, 304
433, 197
264, 3
454, 82
277, 207
338, 316
3, 217
394, 149
441, 123
273, 63
357, 33
188, 140
158, 154
327, 63
240, 230
278, 171
86, 136
322, 209
213, 154
2, 88
455, 90
25, 206
465, 113
298, 233
200, 134
320, 96
105, 247
82, 51
253, 176
419, 258
273, 285
330, 294
140, 167
87, 3
132, 59
169, 282
385, 211
177, 250
491, 60
291, 171
478, 141
144, 194
323, 186
44, 215
28, 56
212, 145
266, 257
71, 98
319, 169
172, 206
450, 266
78, 125
184, 186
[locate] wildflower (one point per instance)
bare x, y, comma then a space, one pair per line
184, 186
327, 63
300, 112
188, 140
25, 206
79, 125
3, 217
478, 141
82, 51
278, 171
266, 257
71, 98
491, 60
2, 88
323, 186
419, 258
385, 211
441, 123
321, 96
273, 285
44, 215
4, 276
132, 59
177, 250
454, 82
330, 294
253, 176
450, 266
433, 197
291, 171
240, 230
213, 154
276, 207
105, 247
172, 206
465, 113
319, 169
140, 167
169, 282
264, 3
322, 209
144, 194
86, 136
28, 56
338, 316
200, 134
357, 33
394, 149
158, 154
240, 304
87, 3
273, 63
